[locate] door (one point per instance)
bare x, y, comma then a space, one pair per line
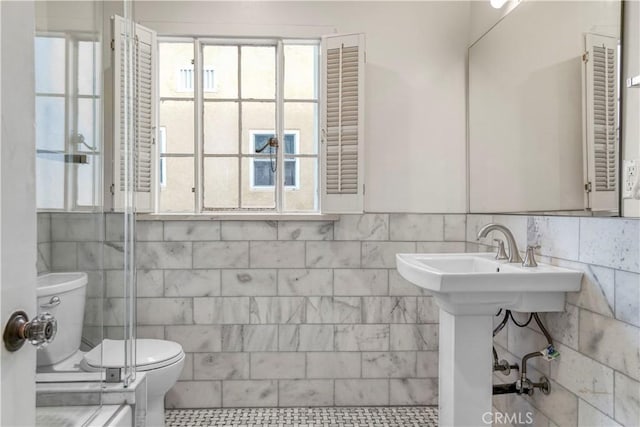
17, 206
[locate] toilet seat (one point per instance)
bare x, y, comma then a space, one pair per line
150, 354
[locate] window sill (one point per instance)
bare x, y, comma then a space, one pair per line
237, 217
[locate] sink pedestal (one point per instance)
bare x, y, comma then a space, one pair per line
465, 369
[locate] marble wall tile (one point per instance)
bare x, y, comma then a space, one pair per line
563, 325
389, 310
610, 243
383, 254
360, 282
521, 341
305, 230
249, 230
148, 231
389, 365
232, 337
346, 310
151, 332
191, 230
260, 338
428, 310
440, 247
114, 227
361, 392
149, 283
588, 416
413, 391
191, 283
221, 310
195, 394
427, 364
399, 286
221, 366
474, 224
362, 337
414, 227
333, 254
586, 378
187, 369
333, 365
277, 365
44, 262
281, 310
455, 227
627, 300
561, 406
196, 338
320, 309
150, 255
165, 311
44, 227
251, 282
519, 226
305, 282
282, 254
305, 338
362, 227
220, 254
76, 227
601, 338
556, 236
294, 393
64, 256
413, 337
597, 288
627, 402
256, 393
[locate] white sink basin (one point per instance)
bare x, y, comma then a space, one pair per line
476, 283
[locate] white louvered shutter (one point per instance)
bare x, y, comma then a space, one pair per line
601, 126
343, 58
142, 119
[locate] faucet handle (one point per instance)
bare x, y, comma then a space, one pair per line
530, 258
502, 253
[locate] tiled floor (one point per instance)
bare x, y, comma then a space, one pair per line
419, 416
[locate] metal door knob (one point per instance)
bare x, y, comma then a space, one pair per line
40, 331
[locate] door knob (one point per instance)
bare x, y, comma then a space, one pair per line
40, 331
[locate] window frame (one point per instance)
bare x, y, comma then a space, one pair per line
296, 152
198, 96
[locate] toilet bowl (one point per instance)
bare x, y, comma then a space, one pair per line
63, 295
161, 361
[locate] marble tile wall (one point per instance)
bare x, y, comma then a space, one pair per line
286, 313
44, 243
596, 380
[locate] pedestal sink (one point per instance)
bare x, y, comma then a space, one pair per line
469, 288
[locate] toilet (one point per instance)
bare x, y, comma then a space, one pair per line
63, 295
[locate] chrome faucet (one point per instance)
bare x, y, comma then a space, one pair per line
514, 255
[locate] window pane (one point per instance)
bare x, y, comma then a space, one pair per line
87, 133
258, 190
257, 118
301, 72
177, 118
290, 173
50, 123
221, 128
49, 64
258, 72
221, 182
175, 69
223, 62
88, 63
304, 196
87, 182
303, 117
176, 194
49, 182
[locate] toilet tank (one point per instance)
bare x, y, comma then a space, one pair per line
62, 295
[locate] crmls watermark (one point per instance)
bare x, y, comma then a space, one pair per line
513, 418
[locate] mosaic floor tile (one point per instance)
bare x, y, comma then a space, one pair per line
414, 416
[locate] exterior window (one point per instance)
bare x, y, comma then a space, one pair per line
263, 175
252, 90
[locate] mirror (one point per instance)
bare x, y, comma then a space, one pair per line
543, 120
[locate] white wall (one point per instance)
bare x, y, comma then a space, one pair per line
415, 84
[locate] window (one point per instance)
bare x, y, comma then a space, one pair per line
67, 122
263, 169
252, 90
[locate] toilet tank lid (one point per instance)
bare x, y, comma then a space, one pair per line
55, 283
